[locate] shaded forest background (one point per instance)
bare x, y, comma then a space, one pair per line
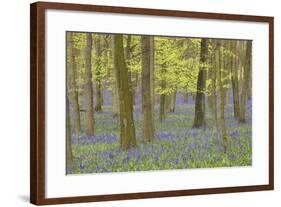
150, 102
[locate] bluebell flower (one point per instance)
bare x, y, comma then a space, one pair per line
156, 158
81, 166
234, 133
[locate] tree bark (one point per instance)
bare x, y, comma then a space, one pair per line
213, 96
170, 102
69, 157
99, 98
173, 102
72, 84
209, 77
222, 96
193, 95
162, 115
168, 98
245, 86
152, 56
127, 128
115, 99
128, 59
185, 98
89, 86
242, 54
199, 118
147, 131
234, 81
115, 96
250, 86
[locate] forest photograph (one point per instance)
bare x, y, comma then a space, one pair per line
142, 103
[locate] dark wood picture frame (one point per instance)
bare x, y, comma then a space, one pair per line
37, 102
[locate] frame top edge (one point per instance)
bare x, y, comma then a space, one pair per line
150, 11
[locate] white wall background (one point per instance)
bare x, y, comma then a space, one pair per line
14, 103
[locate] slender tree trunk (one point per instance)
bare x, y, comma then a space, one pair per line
210, 75
199, 118
242, 54
250, 86
115, 99
193, 96
227, 72
72, 83
127, 128
135, 88
152, 55
209, 96
213, 96
168, 100
162, 97
128, 59
147, 131
69, 157
214, 109
89, 86
173, 102
247, 71
185, 98
234, 81
134, 78
162, 115
99, 98
222, 97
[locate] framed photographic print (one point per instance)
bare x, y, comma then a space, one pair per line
130, 103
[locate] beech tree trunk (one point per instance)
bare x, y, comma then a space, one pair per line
199, 118
99, 98
128, 59
69, 157
167, 103
127, 128
185, 98
115, 99
234, 81
147, 131
173, 102
162, 103
152, 55
72, 84
209, 77
245, 86
170, 102
222, 96
193, 95
213, 96
250, 86
89, 86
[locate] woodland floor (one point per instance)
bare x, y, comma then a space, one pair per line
176, 144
